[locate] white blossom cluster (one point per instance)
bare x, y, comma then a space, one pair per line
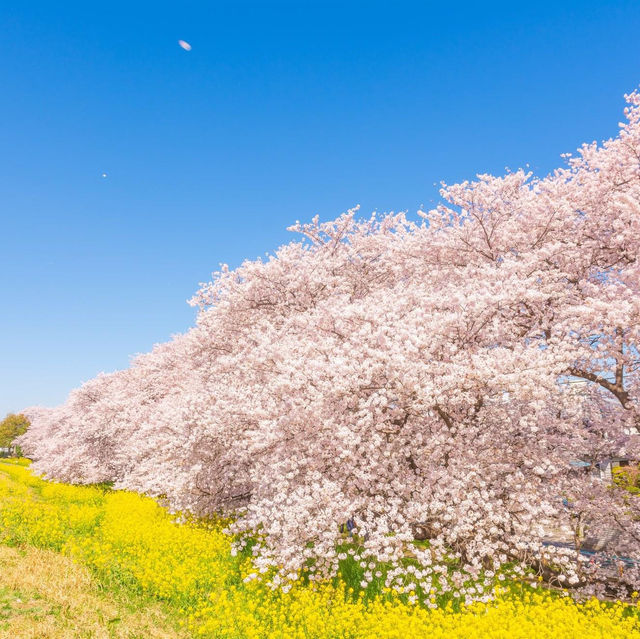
381, 381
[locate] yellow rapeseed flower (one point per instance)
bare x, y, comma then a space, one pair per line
132, 542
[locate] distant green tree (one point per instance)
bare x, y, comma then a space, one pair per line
11, 427
628, 477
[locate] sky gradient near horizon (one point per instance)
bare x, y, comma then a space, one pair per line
280, 111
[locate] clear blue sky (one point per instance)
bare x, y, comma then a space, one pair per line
280, 111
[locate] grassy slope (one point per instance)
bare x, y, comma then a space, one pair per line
46, 595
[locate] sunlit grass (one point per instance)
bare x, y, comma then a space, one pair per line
44, 594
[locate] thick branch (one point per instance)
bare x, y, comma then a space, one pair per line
616, 389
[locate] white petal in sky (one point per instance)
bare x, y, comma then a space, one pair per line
104, 175
185, 45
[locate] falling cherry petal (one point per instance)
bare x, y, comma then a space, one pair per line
185, 45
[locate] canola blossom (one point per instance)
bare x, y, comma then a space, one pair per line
130, 542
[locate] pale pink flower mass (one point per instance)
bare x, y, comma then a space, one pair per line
383, 380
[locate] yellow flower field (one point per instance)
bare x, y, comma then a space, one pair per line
131, 544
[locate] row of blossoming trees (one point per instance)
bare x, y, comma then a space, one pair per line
410, 378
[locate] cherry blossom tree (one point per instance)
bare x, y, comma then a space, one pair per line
432, 379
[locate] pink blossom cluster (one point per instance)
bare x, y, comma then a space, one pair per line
415, 379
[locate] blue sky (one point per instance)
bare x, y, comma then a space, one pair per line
280, 111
